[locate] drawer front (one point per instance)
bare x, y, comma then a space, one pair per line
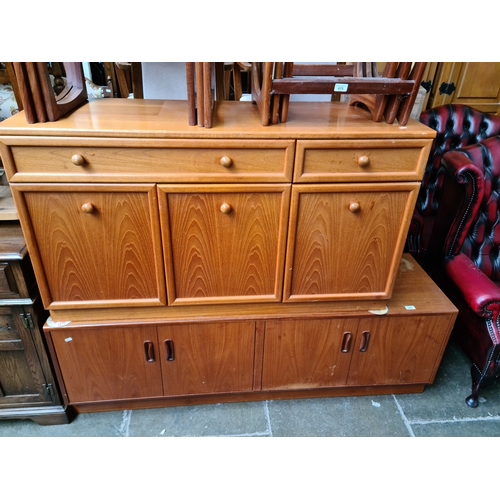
8, 287
224, 244
161, 161
347, 161
94, 246
348, 240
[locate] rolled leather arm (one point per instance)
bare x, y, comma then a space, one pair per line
460, 202
480, 293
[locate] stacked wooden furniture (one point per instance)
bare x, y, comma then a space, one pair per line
40, 101
388, 96
183, 264
28, 388
200, 93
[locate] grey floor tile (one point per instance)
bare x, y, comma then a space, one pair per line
102, 424
354, 416
478, 428
445, 399
229, 419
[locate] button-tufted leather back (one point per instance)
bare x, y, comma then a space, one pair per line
482, 242
457, 126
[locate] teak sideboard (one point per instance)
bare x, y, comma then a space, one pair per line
183, 265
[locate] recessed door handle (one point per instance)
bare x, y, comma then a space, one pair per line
169, 350
365, 338
346, 342
149, 351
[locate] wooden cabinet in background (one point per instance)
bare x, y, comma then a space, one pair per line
475, 84
28, 388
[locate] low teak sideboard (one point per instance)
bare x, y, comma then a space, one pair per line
186, 265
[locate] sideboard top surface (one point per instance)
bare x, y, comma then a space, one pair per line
128, 118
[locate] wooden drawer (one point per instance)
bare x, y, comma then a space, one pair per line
346, 161
224, 243
156, 161
94, 245
8, 286
347, 240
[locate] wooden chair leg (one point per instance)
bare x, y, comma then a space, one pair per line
191, 94
406, 107
394, 101
262, 75
200, 104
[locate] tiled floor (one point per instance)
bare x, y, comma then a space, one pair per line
439, 411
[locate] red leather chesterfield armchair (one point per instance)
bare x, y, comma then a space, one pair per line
457, 126
467, 233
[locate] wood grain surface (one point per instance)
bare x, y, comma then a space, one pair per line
99, 365
348, 240
108, 256
209, 357
305, 354
226, 243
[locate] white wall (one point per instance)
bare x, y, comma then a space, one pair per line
167, 80
164, 80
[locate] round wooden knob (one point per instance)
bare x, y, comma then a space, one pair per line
354, 207
363, 161
226, 162
88, 208
78, 160
225, 208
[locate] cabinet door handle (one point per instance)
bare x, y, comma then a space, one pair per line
225, 208
169, 350
365, 338
149, 351
354, 207
87, 208
346, 342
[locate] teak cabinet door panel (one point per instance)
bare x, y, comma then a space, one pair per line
399, 350
345, 241
224, 244
304, 354
104, 364
207, 358
94, 246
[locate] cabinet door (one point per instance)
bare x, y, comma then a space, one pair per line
399, 350
303, 354
224, 244
22, 381
207, 357
94, 246
345, 241
475, 84
108, 363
